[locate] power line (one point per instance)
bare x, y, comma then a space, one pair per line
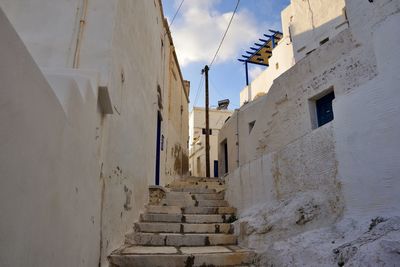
198, 90
226, 31
176, 13
216, 90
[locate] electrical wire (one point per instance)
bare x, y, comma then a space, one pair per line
198, 90
215, 88
176, 13
226, 31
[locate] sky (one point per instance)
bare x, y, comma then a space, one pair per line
197, 31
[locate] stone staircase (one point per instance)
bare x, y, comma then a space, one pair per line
186, 224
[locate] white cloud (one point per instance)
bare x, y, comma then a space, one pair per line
199, 29
255, 71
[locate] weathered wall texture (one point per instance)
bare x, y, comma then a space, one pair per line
176, 123
79, 176
197, 158
349, 166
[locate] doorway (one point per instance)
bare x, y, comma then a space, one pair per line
158, 148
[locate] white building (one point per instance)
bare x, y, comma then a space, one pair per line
302, 33
94, 109
313, 164
197, 138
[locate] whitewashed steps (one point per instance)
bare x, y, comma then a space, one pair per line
184, 218
163, 227
179, 240
190, 227
181, 257
190, 196
194, 203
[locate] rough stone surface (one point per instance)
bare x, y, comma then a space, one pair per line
348, 243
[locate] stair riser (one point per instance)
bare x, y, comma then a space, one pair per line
164, 209
199, 179
194, 203
219, 196
198, 186
209, 210
179, 240
196, 260
187, 218
189, 196
194, 190
212, 203
183, 228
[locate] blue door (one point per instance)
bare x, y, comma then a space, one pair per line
215, 168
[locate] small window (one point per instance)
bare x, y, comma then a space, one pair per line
301, 49
204, 131
276, 65
321, 110
324, 41
251, 126
324, 109
309, 52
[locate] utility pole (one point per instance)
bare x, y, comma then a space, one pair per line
205, 71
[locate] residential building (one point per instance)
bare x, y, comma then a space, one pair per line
302, 33
94, 109
197, 136
318, 155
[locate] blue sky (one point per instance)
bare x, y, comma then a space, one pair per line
197, 32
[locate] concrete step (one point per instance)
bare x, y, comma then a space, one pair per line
195, 190
197, 184
163, 209
181, 257
217, 196
192, 203
179, 202
189, 196
209, 210
178, 195
212, 203
184, 218
198, 179
159, 227
179, 240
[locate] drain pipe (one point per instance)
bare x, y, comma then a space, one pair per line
82, 22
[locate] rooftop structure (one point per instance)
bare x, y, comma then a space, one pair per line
262, 52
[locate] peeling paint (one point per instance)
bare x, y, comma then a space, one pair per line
128, 197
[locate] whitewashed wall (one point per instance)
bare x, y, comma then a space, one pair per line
197, 122
50, 192
92, 169
304, 25
362, 148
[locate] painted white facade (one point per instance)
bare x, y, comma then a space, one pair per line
75, 176
306, 25
197, 140
334, 178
